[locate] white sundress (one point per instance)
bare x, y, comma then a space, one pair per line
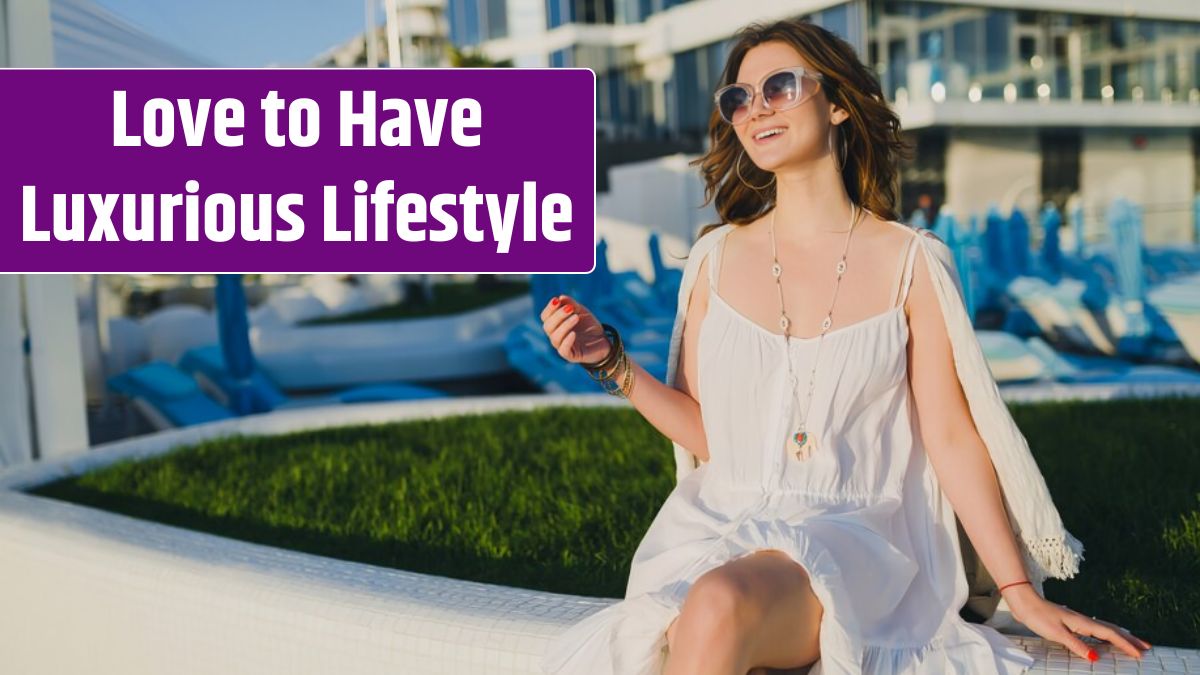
862, 515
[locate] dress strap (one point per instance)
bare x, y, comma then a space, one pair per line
714, 261
909, 260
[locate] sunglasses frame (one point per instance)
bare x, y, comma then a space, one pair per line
799, 71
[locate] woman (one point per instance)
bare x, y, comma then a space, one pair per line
824, 376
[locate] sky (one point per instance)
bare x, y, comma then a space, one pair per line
248, 33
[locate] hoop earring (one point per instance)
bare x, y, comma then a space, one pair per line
841, 164
737, 166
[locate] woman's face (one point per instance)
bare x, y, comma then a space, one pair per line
806, 129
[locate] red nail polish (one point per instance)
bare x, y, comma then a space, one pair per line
554, 302
569, 309
1092, 655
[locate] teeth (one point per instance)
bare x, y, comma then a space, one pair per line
769, 132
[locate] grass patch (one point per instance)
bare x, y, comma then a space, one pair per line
487, 497
449, 297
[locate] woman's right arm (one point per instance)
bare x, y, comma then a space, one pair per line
674, 411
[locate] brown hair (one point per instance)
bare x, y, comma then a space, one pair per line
871, 132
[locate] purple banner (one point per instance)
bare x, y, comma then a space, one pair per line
298, 170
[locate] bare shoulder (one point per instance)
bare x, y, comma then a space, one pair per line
889, 236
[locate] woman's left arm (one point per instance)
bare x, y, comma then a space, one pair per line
966, 474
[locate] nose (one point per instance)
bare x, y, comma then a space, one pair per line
758, 106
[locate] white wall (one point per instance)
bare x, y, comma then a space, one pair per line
56, 365
90, 591
663, 194
1160, 177
986, 166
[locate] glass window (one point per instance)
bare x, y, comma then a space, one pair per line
1026, 48
966, 44
1091, 82
997, 29
1146, 78
1061, 82
1060, 165
897, 71
1027, 89
561, 58
899, 7
1196, 68
692, 108
1118, 32
1196, 156
933, 44
834, 19
1145, 30
497, 19
454, 22
471, 21
1120, 81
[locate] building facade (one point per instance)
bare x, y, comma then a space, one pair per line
1008, 102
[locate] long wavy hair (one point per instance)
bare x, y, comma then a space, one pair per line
871, 133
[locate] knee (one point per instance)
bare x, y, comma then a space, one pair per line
719, 605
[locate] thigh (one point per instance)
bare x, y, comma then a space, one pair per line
786, 613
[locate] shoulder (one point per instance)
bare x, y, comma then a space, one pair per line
705, 242
709, 234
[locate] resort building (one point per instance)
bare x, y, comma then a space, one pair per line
421, 38
1008, 102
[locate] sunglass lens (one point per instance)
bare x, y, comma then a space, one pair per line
782, 90
733, 104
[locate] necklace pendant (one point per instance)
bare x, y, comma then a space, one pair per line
804, 444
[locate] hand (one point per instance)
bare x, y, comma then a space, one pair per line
574, 332
1060, 624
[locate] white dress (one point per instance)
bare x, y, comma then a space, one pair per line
860, 515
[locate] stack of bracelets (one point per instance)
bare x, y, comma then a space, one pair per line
604, 370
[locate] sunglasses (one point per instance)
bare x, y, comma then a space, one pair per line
781, 89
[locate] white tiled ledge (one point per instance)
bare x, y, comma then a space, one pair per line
85, 590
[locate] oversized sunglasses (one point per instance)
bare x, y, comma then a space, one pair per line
781, 89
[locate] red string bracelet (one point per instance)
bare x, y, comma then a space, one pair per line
1015, 583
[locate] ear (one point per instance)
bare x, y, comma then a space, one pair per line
837, 114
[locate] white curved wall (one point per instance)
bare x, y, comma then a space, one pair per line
89, 591
85, 590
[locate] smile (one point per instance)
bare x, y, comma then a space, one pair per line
769, 133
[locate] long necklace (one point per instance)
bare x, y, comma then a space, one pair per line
802, 438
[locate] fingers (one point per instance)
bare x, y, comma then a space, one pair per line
564, 347
1117, 636
551, 306
1074, 644
1103, 630
554, 314
564, 330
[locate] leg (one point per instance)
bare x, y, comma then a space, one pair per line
758, 611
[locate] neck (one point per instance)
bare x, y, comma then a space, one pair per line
811, 204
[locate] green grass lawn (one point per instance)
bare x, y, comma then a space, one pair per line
487, 497
450, 297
